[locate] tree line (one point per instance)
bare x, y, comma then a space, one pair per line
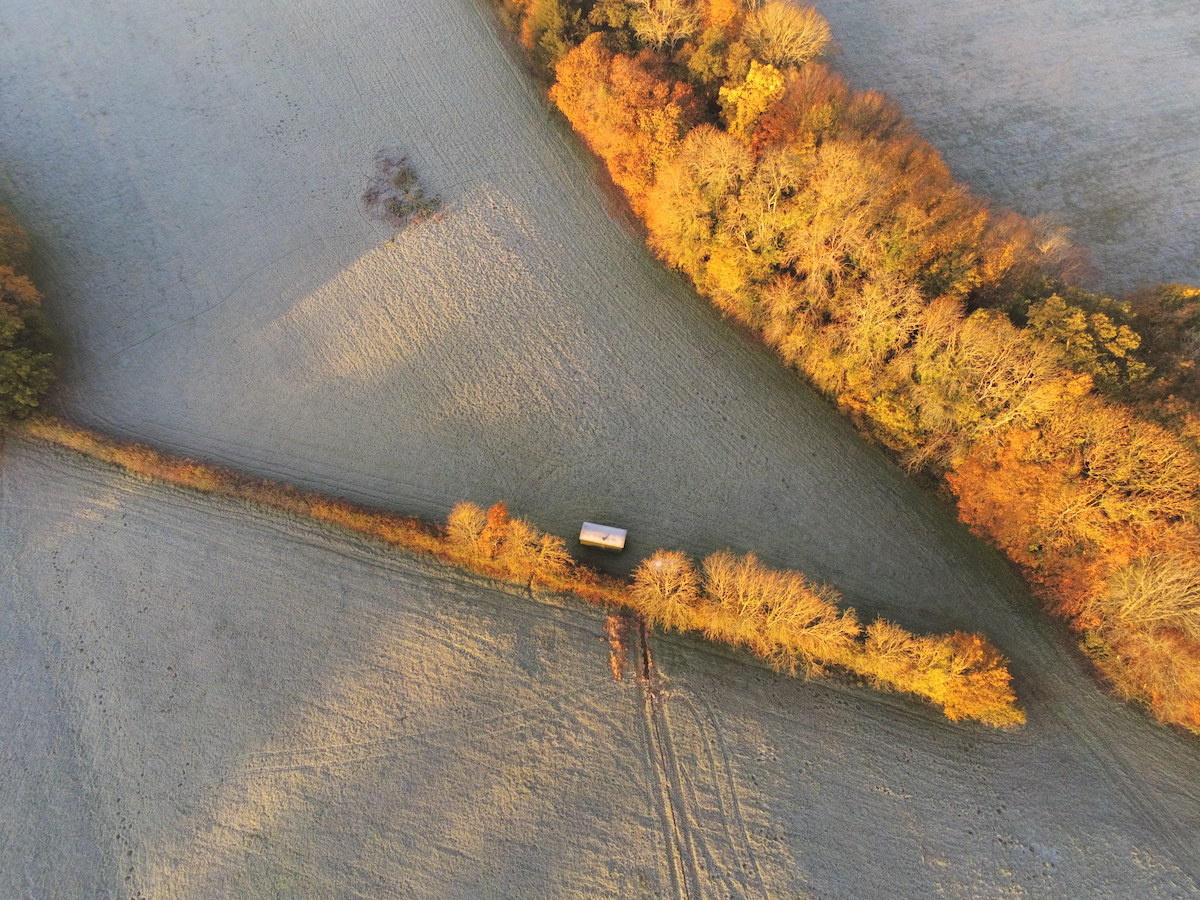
782, 617
1063, 422
26, 371
801, 628
779, 616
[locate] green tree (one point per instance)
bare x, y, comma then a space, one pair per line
25, 377
1095, 333
549, 28
25, 361
718, 57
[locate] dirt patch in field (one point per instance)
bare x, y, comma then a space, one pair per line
394, 194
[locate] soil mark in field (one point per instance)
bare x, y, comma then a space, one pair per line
708, 846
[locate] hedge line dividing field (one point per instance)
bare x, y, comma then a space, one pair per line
779, 616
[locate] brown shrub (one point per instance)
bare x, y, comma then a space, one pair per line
666, 589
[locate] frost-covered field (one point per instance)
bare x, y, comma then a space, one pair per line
192, 179
1082, 109
206, 701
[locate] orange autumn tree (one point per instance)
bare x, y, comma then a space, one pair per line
792, 623
1099, 508
628, 109
497, 544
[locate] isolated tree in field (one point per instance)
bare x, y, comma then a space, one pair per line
785, 35
666, 589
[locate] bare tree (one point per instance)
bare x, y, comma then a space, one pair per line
664, 23
1162, 592
464, 527
785, 35
666, 588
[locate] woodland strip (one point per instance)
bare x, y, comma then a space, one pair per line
1064, 423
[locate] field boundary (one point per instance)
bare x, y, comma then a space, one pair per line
490, 544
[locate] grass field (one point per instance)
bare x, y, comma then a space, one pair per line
1081, 110
204, 700
192, 180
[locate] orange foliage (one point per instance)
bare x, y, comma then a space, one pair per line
780, 616
962, 672
628, 109
1159, 667
820, 217
813, 102
1030, 505
783, 618
720, 13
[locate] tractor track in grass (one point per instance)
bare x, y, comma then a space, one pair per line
708, 847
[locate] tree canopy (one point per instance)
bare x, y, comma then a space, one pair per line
25, 359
